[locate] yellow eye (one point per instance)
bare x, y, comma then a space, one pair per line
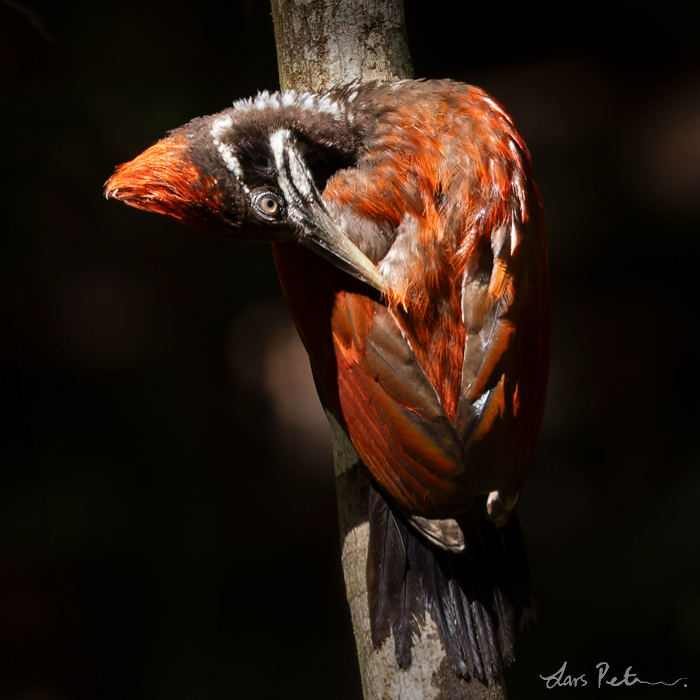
267, 204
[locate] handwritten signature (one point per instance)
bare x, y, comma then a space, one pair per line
562, 679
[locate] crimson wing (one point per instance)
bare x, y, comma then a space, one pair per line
475, 585
371, 380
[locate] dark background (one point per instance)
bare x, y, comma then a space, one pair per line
167, 507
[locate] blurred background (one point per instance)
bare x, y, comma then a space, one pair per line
167, 508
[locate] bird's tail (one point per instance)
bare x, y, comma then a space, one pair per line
478, 598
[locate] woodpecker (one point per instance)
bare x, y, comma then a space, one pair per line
410, 243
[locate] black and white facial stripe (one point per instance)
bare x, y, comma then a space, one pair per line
276, 179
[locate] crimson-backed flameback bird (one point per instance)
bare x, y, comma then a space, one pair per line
409, 239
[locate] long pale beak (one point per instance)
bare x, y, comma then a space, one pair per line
326, 239
306, 208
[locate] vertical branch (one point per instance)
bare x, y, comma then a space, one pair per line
327, 42
321, 43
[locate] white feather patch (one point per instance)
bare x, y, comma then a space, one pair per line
278, 145
233, 165
300, 176
220, 125
278, 140
307, 101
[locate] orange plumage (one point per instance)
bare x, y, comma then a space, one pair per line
409, 240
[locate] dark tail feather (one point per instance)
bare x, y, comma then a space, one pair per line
477, 598
390, 574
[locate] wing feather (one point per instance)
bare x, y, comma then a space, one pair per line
369, 378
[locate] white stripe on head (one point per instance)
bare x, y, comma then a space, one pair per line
281, 144
220, 125
278, 144
308, 101
218, 129
278, 141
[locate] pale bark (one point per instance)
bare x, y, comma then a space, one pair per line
321, 43
328, 42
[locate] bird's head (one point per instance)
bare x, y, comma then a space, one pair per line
255, 171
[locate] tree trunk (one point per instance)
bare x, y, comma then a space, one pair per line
321, 43
329, 42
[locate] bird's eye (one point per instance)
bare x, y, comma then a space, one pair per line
267, 204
